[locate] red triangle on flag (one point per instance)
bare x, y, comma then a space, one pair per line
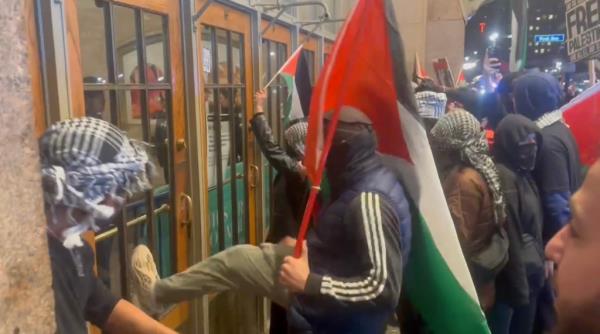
291, 65
361, 78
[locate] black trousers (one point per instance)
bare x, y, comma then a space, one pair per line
279, 324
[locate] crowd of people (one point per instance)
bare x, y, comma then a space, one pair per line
510, 171
509, 166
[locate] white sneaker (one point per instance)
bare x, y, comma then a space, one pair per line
144, 276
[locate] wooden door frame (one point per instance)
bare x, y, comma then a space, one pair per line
277, 33
178, 315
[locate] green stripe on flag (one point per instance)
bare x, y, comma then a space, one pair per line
287, 108
431, 284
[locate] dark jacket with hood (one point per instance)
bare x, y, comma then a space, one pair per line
290, 188
357, 247
518, 141
558, 172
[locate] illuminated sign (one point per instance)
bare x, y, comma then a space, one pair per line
555, 38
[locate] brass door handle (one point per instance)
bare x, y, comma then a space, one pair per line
180, 144
253, 176
185, 209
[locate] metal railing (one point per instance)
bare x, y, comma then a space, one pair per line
139, 220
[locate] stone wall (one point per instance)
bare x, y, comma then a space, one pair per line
432, 29
26, 300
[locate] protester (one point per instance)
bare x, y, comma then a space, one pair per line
88, 168
350, 280
363, 193
520, 282
538, 96
475, 198
575, 250
290, 187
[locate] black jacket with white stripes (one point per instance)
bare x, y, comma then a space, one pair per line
356, 253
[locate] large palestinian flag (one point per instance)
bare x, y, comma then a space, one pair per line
296, 76
365, 76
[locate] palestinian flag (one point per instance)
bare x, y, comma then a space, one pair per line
583, 117
365, 76
296, 76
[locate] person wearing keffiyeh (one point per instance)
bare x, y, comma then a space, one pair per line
85, 161
88, 169
474, 195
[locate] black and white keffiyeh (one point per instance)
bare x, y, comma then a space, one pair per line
461, 132
83, 162
431, 104
295, 138
550, 118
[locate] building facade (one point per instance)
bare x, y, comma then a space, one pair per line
546, 23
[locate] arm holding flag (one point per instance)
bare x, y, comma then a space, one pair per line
370, 220
274, 153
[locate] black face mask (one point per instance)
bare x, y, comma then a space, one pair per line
352, 143
527, 153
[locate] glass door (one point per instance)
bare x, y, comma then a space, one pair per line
310, 53
224, 39
127, 54
225, 104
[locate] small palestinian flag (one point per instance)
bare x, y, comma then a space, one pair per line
296, 76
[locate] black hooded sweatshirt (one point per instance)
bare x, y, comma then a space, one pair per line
518, 140
290, 189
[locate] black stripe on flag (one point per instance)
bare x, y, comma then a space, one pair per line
303, 85
404, 88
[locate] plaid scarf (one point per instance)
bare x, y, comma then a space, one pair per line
460, 131
431, 104
295, 138
83, 162
550, 118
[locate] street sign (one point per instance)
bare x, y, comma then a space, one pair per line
583, 29
554, 38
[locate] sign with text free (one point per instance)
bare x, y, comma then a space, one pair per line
583, 29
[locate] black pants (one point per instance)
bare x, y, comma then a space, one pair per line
279, 324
